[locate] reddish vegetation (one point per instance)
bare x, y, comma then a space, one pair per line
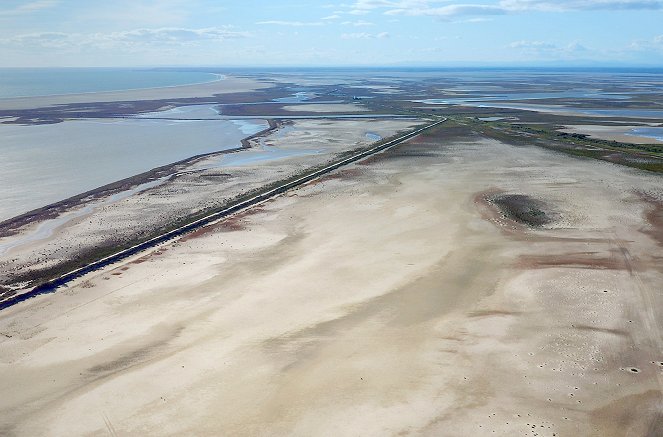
578, 260
655, 218
233, 223
491, 213
347, 173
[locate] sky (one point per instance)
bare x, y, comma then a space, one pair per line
119, 33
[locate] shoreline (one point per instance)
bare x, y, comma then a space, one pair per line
10, 226
219, 77
228, 85
612, 133
191, 223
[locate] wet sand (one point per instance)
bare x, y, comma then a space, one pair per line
391, 298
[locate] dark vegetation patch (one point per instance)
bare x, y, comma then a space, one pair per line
617, 332
524, 209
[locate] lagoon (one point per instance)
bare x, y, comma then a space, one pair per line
43, 164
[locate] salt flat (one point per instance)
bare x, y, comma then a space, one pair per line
392, 297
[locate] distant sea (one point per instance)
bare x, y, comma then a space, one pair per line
29, 82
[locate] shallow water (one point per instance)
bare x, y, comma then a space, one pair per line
46, 228
511, 96
265, 153
298, 97
509, 100
189, 112
43, 164
626, 113
648, 132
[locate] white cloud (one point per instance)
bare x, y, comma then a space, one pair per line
450, 10
578, 5
443, 8
532, 45
134, 39
364, 35
178, 35
29, 7
653, 45
291, 23
358, 23
548, 50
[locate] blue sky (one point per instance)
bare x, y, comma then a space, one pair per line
324, 32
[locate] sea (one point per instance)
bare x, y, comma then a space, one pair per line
31, 82
43, 164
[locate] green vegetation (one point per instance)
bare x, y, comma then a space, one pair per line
647, 157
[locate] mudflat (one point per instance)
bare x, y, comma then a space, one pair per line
400, 295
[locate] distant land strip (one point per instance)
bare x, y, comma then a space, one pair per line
52, 285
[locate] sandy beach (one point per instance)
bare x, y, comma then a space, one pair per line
394, 297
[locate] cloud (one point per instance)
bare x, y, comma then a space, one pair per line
450, 10
29, 7
133, 39
177, 35
358, 23
364, 35
445, 9
654, 44
548, 50
291, 23
532, 45
41, 39
579, 5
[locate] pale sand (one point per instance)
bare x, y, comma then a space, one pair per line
610, 133
228, 85
331, 107
386, 300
